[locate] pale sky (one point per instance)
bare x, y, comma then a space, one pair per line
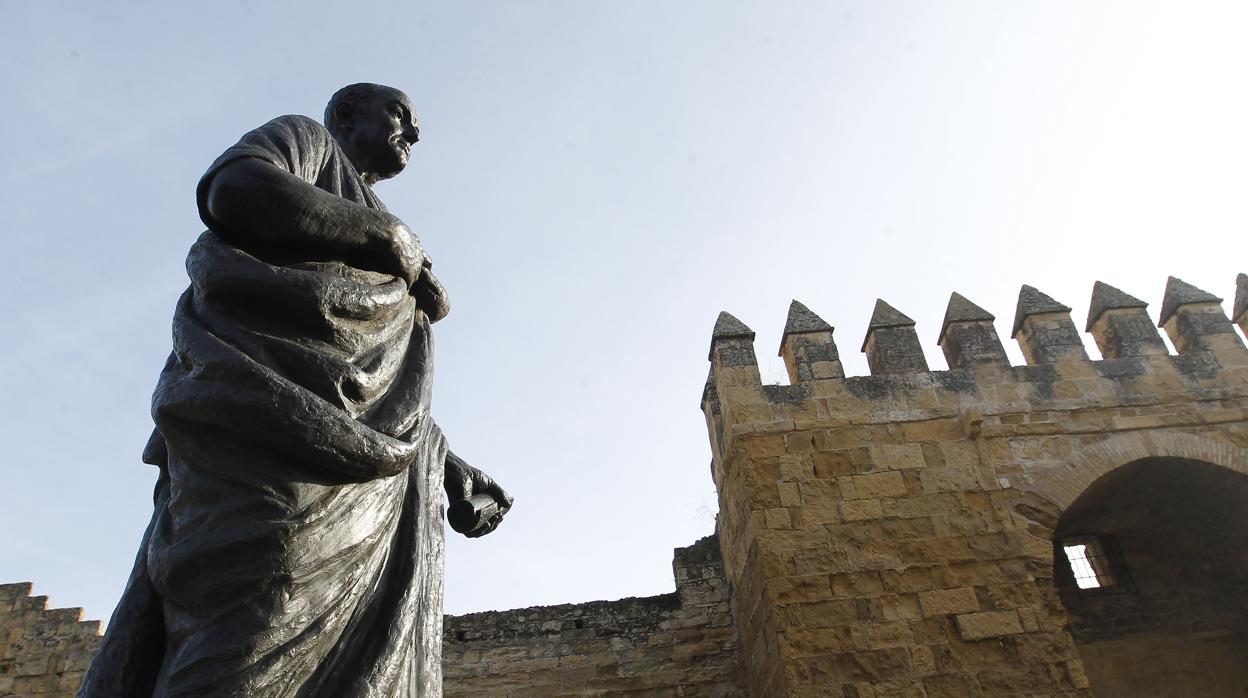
596, 181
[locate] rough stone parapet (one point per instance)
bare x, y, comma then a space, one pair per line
43, 651
894, 533
683, 643
1133, 372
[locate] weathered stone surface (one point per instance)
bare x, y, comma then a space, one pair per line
948, 602
962, 310
800, 319
43, 651
683, 643
968, 336
807, 347
1044, 330
1195, 321
729, 327
980, 626
1180, 293
930, 503
1120, 325
1032, 302
1240, 314
891, 345
1106, 297
886, 315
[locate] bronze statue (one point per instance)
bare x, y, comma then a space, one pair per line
296, 543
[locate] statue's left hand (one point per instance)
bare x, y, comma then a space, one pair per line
463, 481
431, 296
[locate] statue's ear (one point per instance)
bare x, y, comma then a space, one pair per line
344, 113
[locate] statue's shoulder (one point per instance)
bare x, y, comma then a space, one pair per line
299, 144
298, 125
294, 143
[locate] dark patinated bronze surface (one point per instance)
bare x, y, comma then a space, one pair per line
295, 547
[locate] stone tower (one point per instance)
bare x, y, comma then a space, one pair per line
1066, 527
1060, 528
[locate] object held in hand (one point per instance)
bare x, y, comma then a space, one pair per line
469, 515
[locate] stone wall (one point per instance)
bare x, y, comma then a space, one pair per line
678, 644
901, 534
43, 651
893, 534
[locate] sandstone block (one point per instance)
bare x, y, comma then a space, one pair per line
980, 626
948, 602
884, 635
899, 606
923, 661
898, 457
861, 509
879, 485
857, 585
778, 518
1078, 678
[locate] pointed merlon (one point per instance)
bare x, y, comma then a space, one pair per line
1032, 302
728, 327
962, 310
1241, 299
885, 315
801, 319
710, 400
1179, 293
1119, 324
891, 344
807, 347
1106, 297
968, 336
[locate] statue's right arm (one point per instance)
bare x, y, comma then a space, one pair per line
256, 202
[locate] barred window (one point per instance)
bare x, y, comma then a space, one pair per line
1089, 564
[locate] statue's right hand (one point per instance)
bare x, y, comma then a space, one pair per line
405, 252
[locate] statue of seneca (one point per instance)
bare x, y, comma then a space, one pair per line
296, 544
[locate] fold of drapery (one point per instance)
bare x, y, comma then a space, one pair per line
296, 543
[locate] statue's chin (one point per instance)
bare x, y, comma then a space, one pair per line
392, 169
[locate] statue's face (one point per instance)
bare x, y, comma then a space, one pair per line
382, 131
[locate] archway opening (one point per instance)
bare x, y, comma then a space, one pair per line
1151, 563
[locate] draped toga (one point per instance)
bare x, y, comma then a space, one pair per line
296, 543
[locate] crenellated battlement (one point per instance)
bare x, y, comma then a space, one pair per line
43, 651
1136, 367
895, 532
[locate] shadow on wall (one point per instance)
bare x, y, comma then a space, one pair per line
1154, 590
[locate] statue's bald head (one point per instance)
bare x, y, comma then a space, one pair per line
376, 127
346, 103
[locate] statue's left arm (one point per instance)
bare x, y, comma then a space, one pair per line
473, 495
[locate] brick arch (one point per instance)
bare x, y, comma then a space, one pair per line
1060, 488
